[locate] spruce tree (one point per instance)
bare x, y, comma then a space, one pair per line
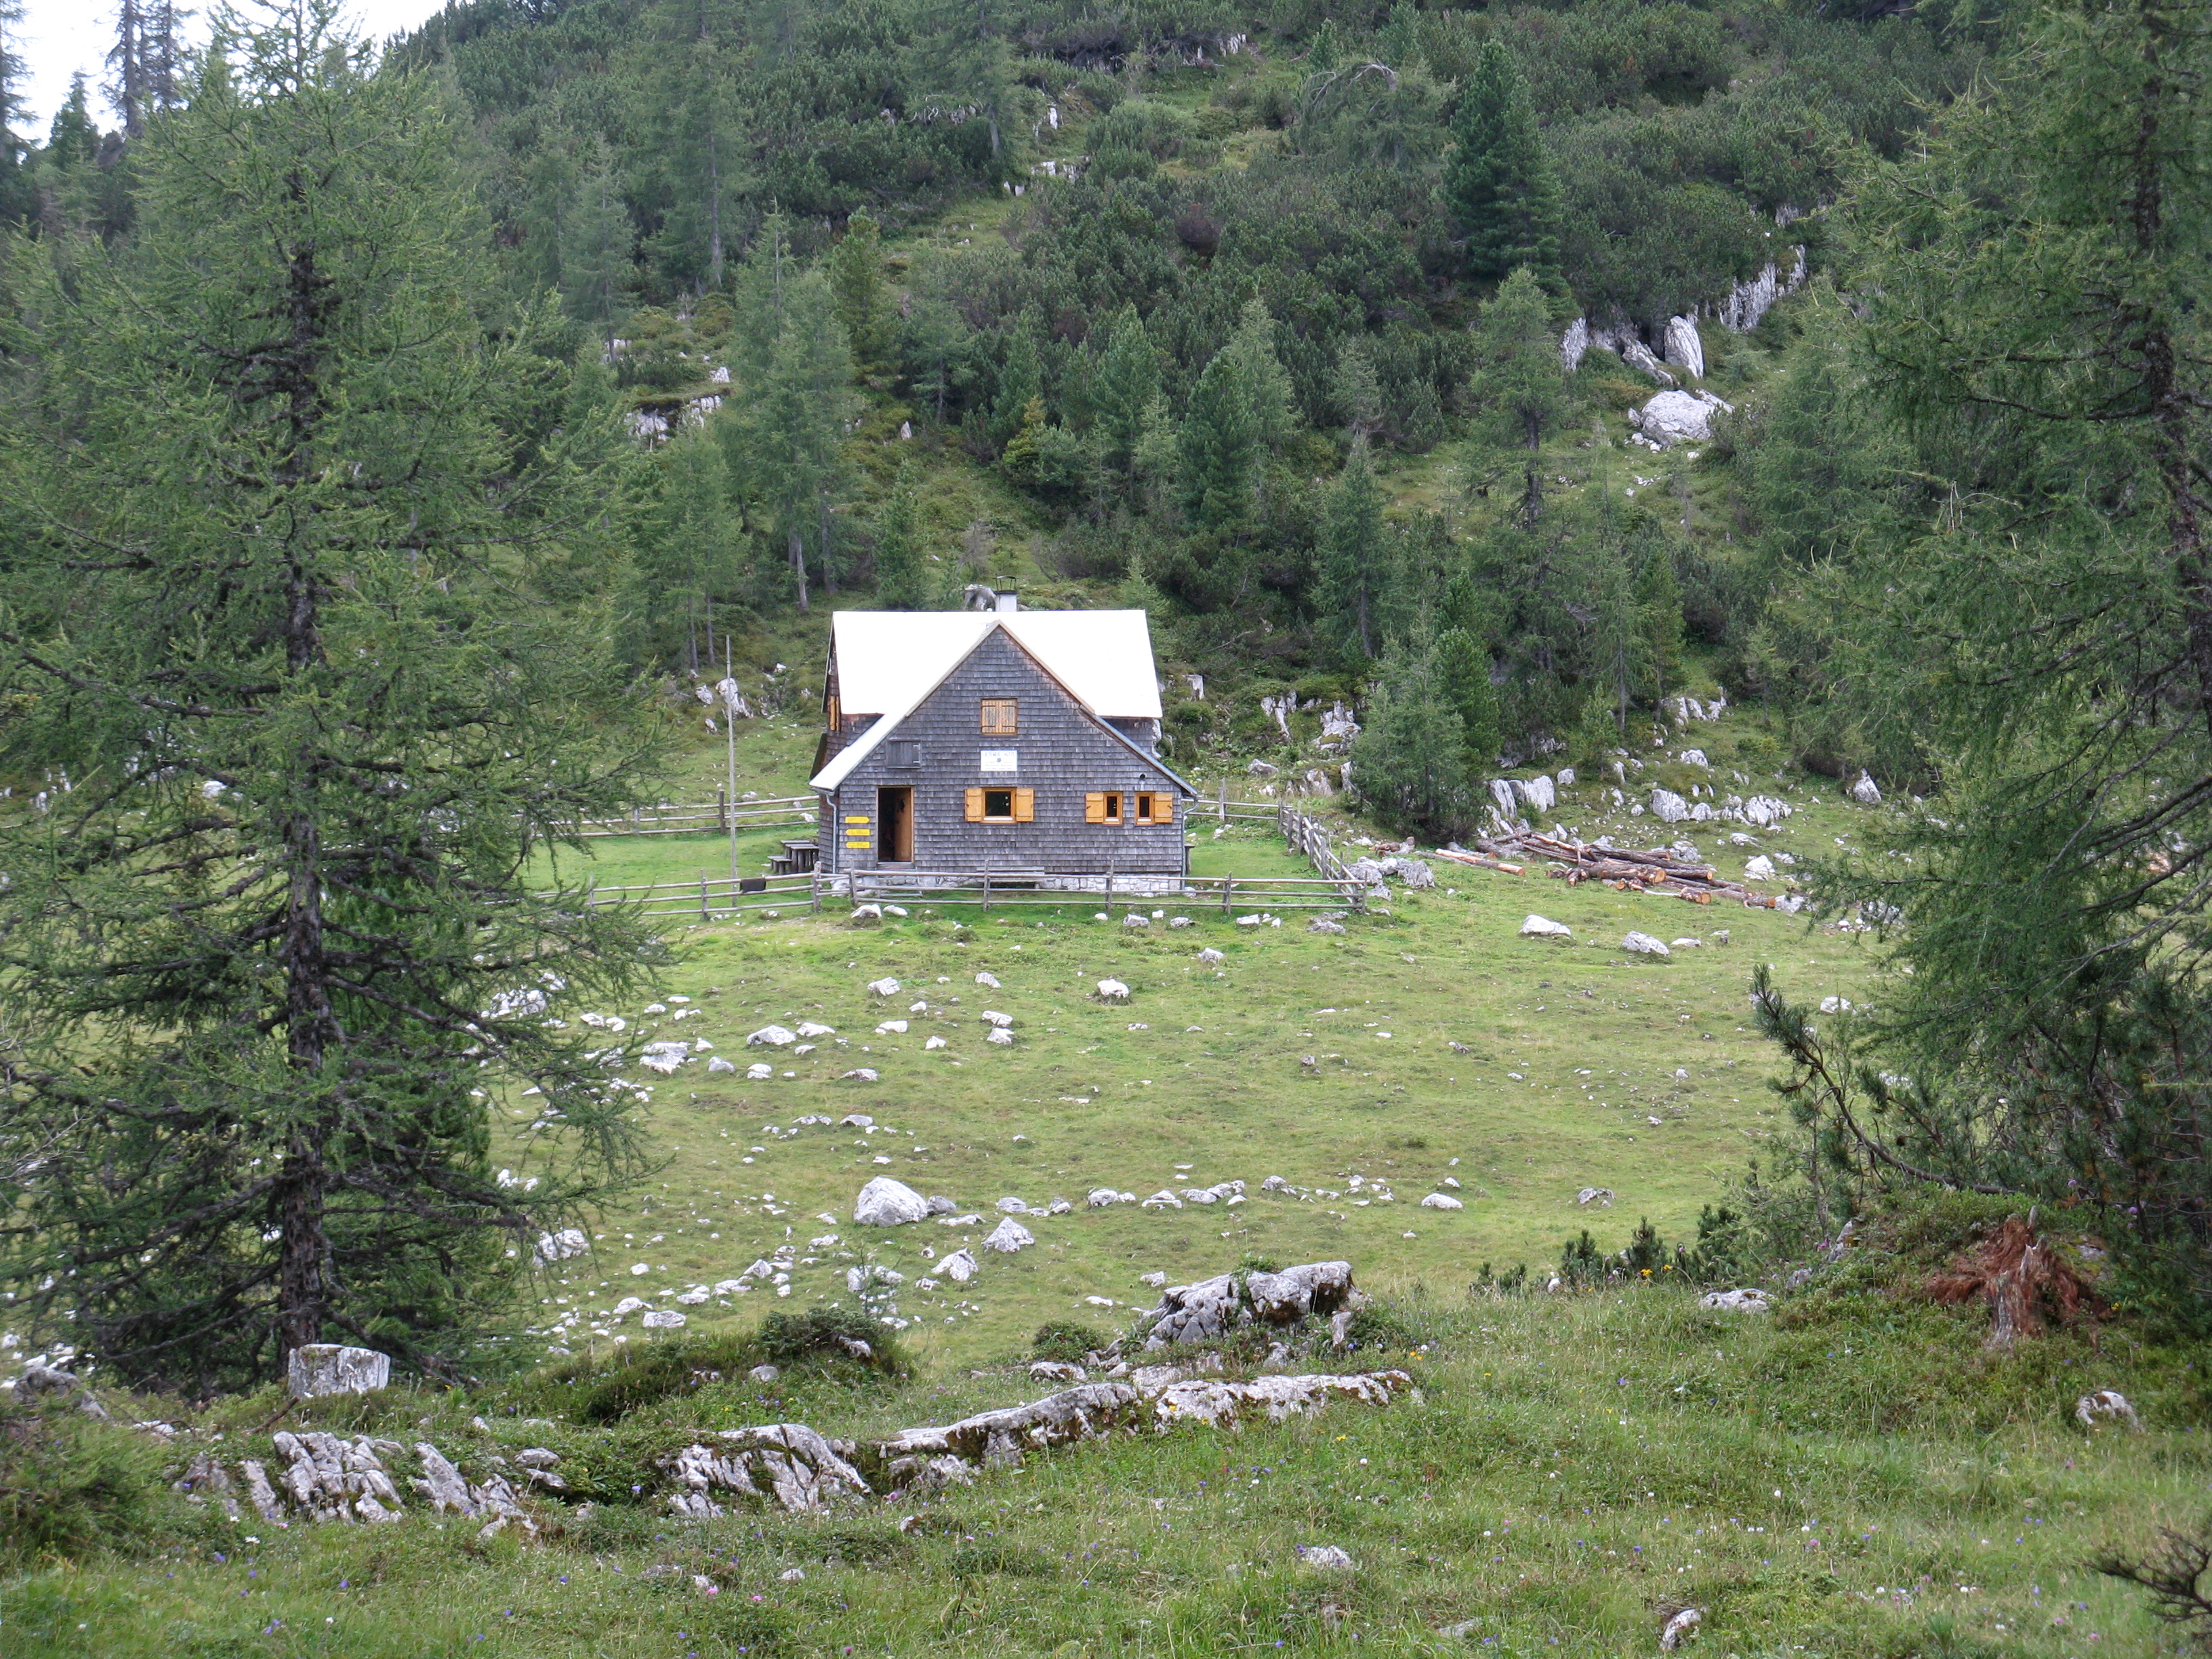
276, 944
1274, 411
1519, 383
1409, 761
856, 279
1021, 380
1498, 182
1463, 666
1122, 391
1221, 445
902, 576
1353, 554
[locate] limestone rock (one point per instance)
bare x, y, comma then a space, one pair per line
1678, 1629
1685, 350
1644, 945
989, 979
1600, 1196
1537, 794
2106, 1406
1000, 1035
1008, 1237
316, 1369
717, 1064
1324, 1558
1758, 868
1324, 925
1544, 927
1866, 792
884, 987
772, 1036
1668, 807
1442, 1201
1113, 990
765, 1373
787, 1464
1673, 417
1057, 1370
663, 1319
859, 1074
1210, 955
887, 1203
1411, 871
1751, 1301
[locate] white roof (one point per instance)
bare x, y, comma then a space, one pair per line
888, 660
895, 659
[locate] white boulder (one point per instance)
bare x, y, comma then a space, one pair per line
1210, 955
1668, 807
1866, 792
772, 1036
1008, 1237
959, 1266
1442, 1201
884, 987
1112, 990
1645, 945
887, 1203
2106, 1406
1673, 417
1545, 927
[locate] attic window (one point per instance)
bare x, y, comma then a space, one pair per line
905, 754
1002, 717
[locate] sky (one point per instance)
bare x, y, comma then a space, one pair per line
59, 37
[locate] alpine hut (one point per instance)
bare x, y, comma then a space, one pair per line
1023, 744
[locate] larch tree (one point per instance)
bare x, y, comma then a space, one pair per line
1221, 445
1354, 554
2039, 327
278, 936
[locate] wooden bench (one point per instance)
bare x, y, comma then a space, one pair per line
797, 859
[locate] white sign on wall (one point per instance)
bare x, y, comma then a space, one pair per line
1001, 760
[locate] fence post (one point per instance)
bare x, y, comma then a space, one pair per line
1223, 805
705, 915
814, 889
986, 884
1228, 887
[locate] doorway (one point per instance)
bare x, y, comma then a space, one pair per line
894, 826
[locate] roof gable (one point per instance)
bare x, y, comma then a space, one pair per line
888, 660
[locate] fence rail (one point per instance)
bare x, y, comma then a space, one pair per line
680, 820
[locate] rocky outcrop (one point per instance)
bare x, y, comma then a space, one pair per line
787, 1464
1683, 349
1211, 1308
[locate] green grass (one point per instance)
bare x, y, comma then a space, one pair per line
1575, 1469
1840, 1480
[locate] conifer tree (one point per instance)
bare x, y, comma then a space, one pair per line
1122, 390
1353, 554
1221, 445
1518, 381
275, 943
1409, 761
902, 576
1359, 392
594, 245
1498, 182
1274, 411
1021, 380
856, 279
1463, 666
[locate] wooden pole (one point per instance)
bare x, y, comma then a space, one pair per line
705, 915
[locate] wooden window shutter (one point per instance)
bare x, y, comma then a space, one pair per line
975, 806
1024, 806
1094, 807
1164, 808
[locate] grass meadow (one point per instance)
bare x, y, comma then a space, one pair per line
1852, 1475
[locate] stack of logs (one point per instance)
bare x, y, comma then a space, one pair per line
1655, 871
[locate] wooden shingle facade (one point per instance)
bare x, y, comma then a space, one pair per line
995, 763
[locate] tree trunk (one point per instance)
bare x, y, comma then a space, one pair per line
821, 547
310, 1026
799, 565
713, 204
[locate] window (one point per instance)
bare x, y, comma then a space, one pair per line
1002, 717
1002, 806
1142, 806
905, 754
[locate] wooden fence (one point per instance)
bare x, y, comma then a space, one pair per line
711, 898
719, 814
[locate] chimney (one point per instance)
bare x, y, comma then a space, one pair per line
1009, 599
